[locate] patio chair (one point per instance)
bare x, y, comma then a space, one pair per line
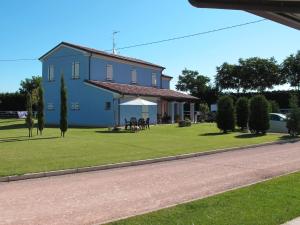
141, 123
127, 124
147, 125
133, 123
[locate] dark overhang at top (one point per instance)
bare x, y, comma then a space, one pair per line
286, 12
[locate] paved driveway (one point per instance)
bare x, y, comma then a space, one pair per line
97, 197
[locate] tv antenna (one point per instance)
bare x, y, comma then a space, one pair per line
114, 51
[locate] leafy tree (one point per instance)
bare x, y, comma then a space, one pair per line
204, 109
31, 85
225, 114
40, 112
228, 77
274, 107
259, 121
63, 107
242, 112
293, 101
293, 121
290, 68
260, 73
192, 82
29, 118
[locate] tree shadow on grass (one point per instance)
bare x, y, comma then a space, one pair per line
249, 135
115, 132
13, 126
214, 134
289, 138
10, 121
5, 140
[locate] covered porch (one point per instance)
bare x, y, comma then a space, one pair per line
174, 110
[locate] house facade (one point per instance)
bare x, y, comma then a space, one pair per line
98, 82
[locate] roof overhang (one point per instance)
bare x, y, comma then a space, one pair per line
286, 12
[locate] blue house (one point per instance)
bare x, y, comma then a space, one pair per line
99, 82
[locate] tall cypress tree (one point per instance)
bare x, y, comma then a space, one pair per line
242, 113
40, 113
63, 107
225, 114
29, 119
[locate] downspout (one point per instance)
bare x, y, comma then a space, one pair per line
90, 66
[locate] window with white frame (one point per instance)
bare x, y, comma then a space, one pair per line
51, 73
50, 106
154, 81
133, 76
75, 70
75, 106
109, 72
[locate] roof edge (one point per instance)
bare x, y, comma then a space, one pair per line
102, 53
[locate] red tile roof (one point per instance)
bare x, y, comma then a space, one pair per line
103, 53
127, 89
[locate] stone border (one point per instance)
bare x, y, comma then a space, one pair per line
133, 163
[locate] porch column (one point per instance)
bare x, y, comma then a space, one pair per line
192, 112
172, 111
181, 110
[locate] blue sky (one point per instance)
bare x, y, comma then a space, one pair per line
30, 28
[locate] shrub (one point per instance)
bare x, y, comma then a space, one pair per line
242, 113
293, 122
204, 110
29, 119
185, 123
259, 121
274, 106
225, 114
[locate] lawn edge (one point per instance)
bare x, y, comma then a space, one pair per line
134, 163
204, 197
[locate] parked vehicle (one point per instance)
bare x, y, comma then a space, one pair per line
278, 123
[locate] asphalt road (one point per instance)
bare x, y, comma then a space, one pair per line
98, 197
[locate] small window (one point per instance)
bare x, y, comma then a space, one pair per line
133, 76
51, 73
50, 106
75, 106
109, 72
75, 70
107, 105
154, 81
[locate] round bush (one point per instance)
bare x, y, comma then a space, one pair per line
259, 120
225, 114
242, 113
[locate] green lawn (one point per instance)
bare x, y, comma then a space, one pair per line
269, 203
95, 146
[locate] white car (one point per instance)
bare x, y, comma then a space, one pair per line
278, 123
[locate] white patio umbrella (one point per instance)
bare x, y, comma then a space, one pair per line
138, 101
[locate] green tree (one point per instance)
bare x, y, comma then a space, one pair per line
260, 74
290, 68
63, 107
242, 113
274, 106
40, 112
192, 82
228, 77
293, 101
293, 121
259, 121
29, 118
203, 109
225, 114
31, 85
